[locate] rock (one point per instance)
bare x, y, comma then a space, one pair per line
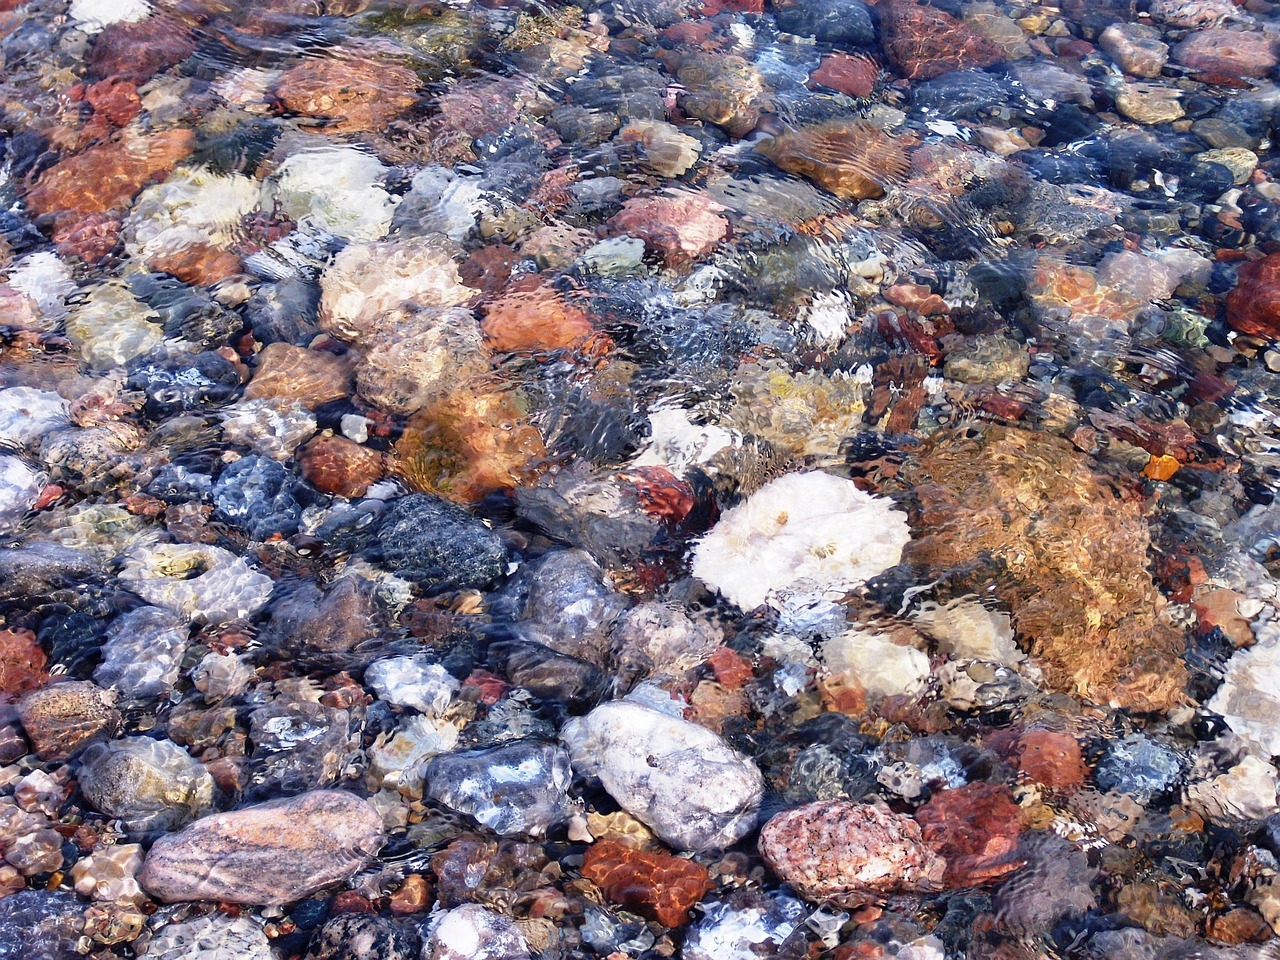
148, 784
550, 675
401, 762
827, 21
470, 932
256, 494
881, 667
564, 603
1231, 53
853, 75
40, 925
111, 326
1253, 307
680, 779
356, 936
924, 42
970, 630
270, 428
660, 639
1238, 160
804, 533
309, 377
205, 583
138, 51
724, 88
1046, 756
1149, 102
215, 936
428, 356
20, 487
219, 676
412, 681
43, 568
110, 873
1136, 48
272, 853
849, 853
22, 663
438, 545
654, 884
737, 927
516, 788
310, 621
348, 89
667, 152
93, 15
853, 160
1246, 791
681, 225
27, 414
975, 829
1143, 768
1248, 699
297, 744
334, 190
532, 316
61, 718
142, 657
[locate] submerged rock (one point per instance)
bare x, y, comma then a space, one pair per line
516, 788
148, 784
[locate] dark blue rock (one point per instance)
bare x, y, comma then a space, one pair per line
39, 925
1140, 767
1063, 169
175, 483
439, 545
1204, 182
1067, 124
838, 22
186, 383
256, 494
284, 311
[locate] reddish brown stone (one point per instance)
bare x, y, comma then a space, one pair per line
115, 98
347, 90
853, 75
975, 828
21, 663
731, 668
680, 225
349, 901
337, 465
308, 377
196, 263
138, 51
414, 896
924, 42
1241, 925
1253, 307
657, 885
531, 316
89, 239
1231, 53
855, 160
1046, 756
488, 268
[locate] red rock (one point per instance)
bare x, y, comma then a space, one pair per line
488, 268
489, 687
337, 465
60, 718
22, 663
532, 316
654, 884
349, 901
731, 668
90, 238
348, 90
1253, 307
1240, 925
138, 51
681, 225
712, 7
414, 896
924, 42
1046, 756
1232, 53
917, 297
976, 829
115, 98
853, 75
196, 263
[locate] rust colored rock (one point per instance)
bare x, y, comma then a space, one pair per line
652, 883
924, 42
414, 896
854, 75
1046, 756
850, 853
61, 718
337, 465
308, 377
531, 316
468, 445
1230, 53
198, 263
269, 854
89, 239
855, 160
975, 828
115, 98
1072, 556
22, 663
682, 225
347, 90
1241, 925
1253, 307
138, 51
106, 176
731, 668
488, 268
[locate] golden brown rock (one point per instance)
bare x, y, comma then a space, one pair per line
337, 465
1071, 556
307, 377
855, 160
531, 316
348, 90
61, 718
654, 884
723, 89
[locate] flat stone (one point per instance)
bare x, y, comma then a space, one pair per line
269, 854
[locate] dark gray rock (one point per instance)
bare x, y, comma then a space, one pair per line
256, 494
38, 925
41, 568
439, 545
358, 936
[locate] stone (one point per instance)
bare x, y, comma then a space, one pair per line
270, 428
1136, 48
1253, 307
654, 884
63, 717
309, 377
138, 51
532, 316
471, 932
1046, 756
1246, 791
1248, 697
412, 681
1149, 102
431, 353
214, 936
40, 925
20, 488
661, 639
400, 762
681, 225
1230, 53
849, 853
94, 15
204, 583
438, 545
110, 873
975, 829
737, 927
514, 789
837, 22
1138, 766
112, 326
22, 663
878, 665
332, 189
43, 568
348, 90
310, 621
854, 75
971, 630
563, 602
667, 152
27, 414
1240, 161
297, 744
358, 936
269, 854
923, 42
142, 657
256, 494
148, 784
804, 533
855, 160
680, 779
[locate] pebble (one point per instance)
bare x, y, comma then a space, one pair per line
1234, 53
39, 925
147, 784
438, 545
271, 853
652, 883
471, 932
1136, 48
142, 656
110, 874
204, 583
20, 488
214, 936
412, 682
881, 667
358, 936
61, 718
736, 928
513, 789
648, 761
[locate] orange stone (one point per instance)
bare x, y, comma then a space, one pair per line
975, 828
334, 464
654, 884
853, 75
731, 668
531, 316
308, 377
1162, 467
22, 663
347, 90
414, 896
1046, 756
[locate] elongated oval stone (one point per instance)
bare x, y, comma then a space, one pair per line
269, 854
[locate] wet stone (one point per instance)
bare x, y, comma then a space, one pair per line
438, 545
214, 936
147, 784
470, 932
142, 656
61, 718
356, 936
517, 788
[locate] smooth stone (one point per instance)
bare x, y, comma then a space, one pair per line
680, 779
1137, 48
41, 568
149, 784
142, 657
360, 936
61, 718
20, 487
215, 936
471, 932
1149, 103
265, 855
517, 788
412, 682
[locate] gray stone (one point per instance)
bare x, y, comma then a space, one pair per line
359, 936
142, 657
513, 789
149, 784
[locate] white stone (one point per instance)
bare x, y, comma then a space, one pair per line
828, 317
220, 675
94, 15
884, 668
1245, 792
27, 414
194, 206
214, 936
810, 533
46, 280
677, 442
444, 202
271, 426
744, 933
201, 582
20, 487
412, 682
112, 326
683, 781
472, 932
334, 190
401, 762
970, 630
1249, 698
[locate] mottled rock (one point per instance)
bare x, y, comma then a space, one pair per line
1232, 53
855, 160
564, 603
516, 788
40, 925
20, 487
439, 545
412, 681
308, 377
334, 189
1137, 48
22, 663
654, 884
214, 936
923, 42
110, 873
975, 829
61, 718
1253, 307
348, 90
681, 225
680, 779
272, 853
849, 853
357, 936
148, 784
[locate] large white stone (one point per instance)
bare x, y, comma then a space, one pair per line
884, 668
94, 15
20, 487
807, 533
334, 190
1249, 698
27, 414
683, 781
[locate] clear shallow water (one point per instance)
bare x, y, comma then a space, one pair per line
888, 390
